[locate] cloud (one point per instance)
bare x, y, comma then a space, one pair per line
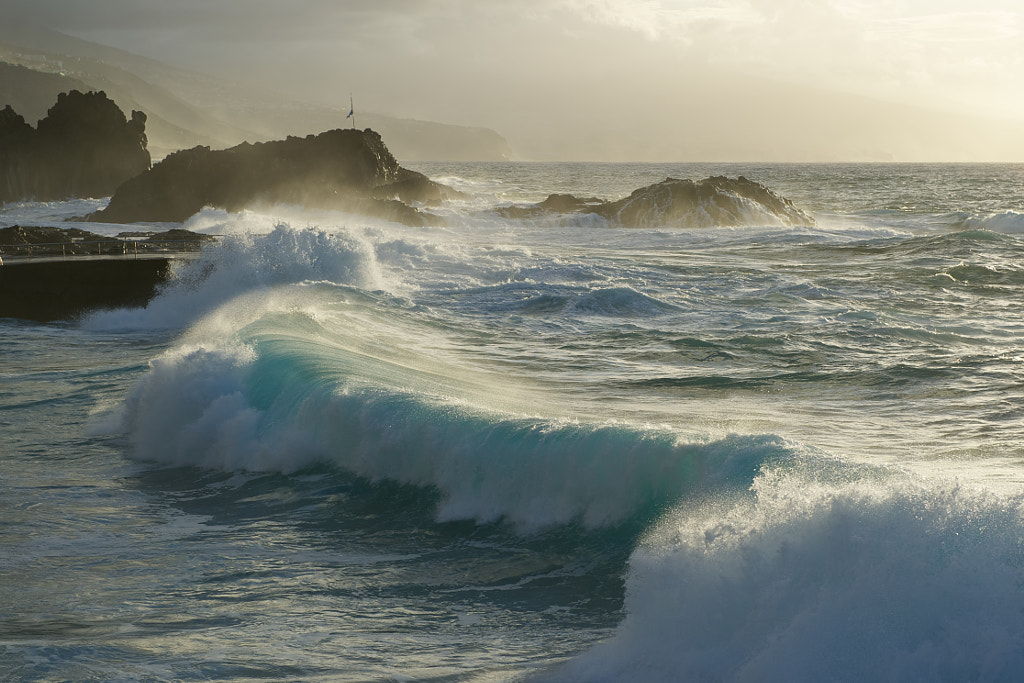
657, 20
951, 27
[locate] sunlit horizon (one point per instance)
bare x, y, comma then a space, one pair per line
619, 80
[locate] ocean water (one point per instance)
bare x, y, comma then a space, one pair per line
334, 449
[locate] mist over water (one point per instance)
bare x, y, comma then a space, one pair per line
511, 449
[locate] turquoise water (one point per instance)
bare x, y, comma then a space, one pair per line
500, 450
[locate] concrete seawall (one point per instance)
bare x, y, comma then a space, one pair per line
45, 290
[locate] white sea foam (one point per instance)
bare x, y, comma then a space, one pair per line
250, 262
817, 578
1008, 222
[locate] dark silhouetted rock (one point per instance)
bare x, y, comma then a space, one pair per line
715, 201
84, 147
555, 204
350, 170
416, 188
567, 203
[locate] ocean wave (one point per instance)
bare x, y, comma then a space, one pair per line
247, 262
289, 397
579, 303
1007, 222
965, 273
616, 302
814, 577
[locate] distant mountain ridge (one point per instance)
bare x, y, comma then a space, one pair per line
187, 109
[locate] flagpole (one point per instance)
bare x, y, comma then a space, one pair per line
351, 112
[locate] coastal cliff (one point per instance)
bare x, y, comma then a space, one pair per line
84, 147
349, 170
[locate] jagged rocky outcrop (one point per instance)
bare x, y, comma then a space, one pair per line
714, 201
344, 169
84, 147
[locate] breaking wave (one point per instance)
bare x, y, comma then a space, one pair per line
819, 577
283, 401
1007, 222
244, 263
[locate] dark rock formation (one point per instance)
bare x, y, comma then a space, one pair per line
554, 204
50, 241
349, 170
715, 201
84, 147
43, 240
416, 188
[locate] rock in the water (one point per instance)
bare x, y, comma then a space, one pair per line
555, 204
84, 147
416, 188
715, 201
348, 170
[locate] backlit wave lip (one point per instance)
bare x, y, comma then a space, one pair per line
246, 262
277, 405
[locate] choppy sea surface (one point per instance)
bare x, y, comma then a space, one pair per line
342, 450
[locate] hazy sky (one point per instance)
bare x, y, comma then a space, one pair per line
604, 77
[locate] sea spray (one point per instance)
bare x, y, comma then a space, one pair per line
1007, 222
824, 577
244, 262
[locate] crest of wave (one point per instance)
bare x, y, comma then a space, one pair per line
244, 263
1009, 222
826, 578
